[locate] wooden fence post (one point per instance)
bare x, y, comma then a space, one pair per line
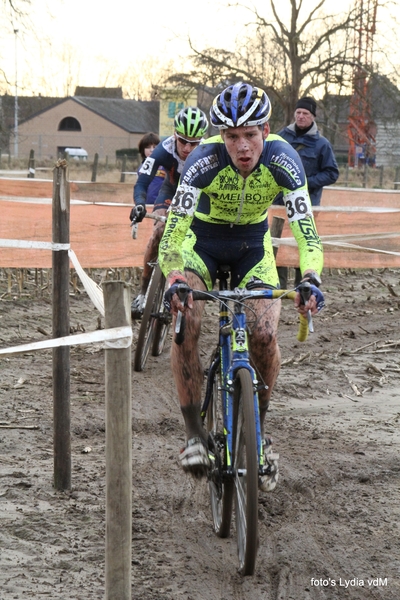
396, 178
31, 165
123, 169
61, 355
276, 230
95, 165
381, 177
118, 447
365, 175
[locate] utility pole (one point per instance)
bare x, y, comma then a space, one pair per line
16, 99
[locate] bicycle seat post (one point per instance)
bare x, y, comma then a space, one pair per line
223, 275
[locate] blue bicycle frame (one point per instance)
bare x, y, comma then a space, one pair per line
233, 354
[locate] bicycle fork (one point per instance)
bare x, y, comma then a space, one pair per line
235, 356
241, 360
232, 354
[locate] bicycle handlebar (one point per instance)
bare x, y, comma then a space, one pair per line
241, 295
153, 216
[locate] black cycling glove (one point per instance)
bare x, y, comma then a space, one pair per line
319, 297
177, 285
138, 213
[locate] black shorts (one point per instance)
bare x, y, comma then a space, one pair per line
247, 249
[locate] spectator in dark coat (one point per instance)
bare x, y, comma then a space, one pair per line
317, 157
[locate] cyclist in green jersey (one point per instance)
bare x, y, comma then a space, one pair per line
219, 216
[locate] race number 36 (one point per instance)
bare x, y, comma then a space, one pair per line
185, 199
298, 205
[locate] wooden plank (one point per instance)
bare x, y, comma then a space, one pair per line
340, 196
29, 188
101, 237
331, 222
122, 192
80, 190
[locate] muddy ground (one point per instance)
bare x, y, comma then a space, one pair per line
330, 529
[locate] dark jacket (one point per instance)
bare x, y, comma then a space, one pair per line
317, 157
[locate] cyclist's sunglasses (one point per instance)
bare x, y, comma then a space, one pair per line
184, 141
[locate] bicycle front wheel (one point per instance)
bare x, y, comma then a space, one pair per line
149, 320
245, 463
221, 489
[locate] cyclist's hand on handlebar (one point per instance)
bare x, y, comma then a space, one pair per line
178, 296
309, 298
138, 213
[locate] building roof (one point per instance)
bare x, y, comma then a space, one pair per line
27, 106
98, 92
134, 116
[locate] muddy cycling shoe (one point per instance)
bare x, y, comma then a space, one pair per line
137, 307
267, 482
194, 457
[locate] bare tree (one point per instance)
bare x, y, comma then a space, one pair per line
143, 81
10, 11
293, 54
15, 8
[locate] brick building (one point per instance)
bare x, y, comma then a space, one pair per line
102, 125
95, 119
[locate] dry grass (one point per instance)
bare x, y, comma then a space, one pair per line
37, 283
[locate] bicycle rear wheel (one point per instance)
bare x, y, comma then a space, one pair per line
221, 491
149, 319
245, 463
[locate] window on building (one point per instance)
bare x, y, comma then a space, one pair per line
69, 124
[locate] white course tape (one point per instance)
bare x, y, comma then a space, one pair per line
115, 337
338, 241
33, 245
93, 290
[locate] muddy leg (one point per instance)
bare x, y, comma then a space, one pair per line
187, 368
265, 352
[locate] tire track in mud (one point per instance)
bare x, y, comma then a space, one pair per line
334, 514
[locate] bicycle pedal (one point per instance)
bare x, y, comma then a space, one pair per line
272, 456
268, 470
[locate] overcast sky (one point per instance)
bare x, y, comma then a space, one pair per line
101, 37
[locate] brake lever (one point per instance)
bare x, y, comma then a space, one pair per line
183, 292
305, 293
134, 229
135, 224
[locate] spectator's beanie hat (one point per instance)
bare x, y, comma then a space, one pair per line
308, 103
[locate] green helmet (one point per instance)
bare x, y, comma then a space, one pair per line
191, 122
